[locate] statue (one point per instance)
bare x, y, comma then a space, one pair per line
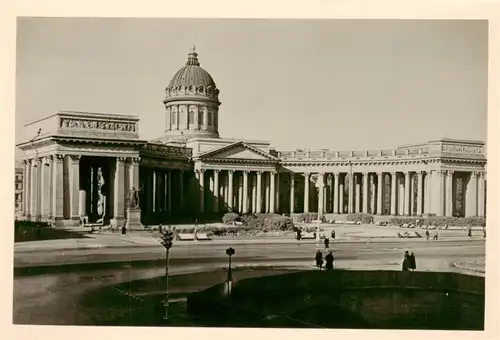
133, 198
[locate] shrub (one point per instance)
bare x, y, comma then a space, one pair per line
360, 217
441, 221
309, 217
230, 218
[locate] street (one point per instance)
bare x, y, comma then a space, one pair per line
53, 298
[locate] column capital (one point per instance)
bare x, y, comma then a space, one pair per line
134, 160
75, 158
200, 171
121, 160
441, 172
230, 171
379, 173
450, 172
474, 174
57, 158
393, 173
246, 172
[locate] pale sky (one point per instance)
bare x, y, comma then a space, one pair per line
332, 84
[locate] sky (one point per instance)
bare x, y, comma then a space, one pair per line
319, 84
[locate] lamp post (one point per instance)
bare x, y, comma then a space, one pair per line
229, 252
167, 240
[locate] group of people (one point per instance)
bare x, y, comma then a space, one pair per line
409, 262
328, 259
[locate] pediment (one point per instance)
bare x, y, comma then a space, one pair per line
238, 151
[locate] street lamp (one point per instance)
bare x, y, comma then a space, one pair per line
229, 252
167, 240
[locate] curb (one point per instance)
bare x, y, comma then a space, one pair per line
460, 266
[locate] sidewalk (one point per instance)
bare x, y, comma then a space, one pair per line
145, 239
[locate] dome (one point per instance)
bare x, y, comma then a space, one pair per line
192, 81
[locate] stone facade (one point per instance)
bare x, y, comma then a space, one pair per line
82, 166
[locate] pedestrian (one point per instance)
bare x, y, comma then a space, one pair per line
469, 232
160, 228
436, 236
406, 261
124, 230
329, 261
427, 235
299, 234
327, 244
319, 259
333, 234
413, 263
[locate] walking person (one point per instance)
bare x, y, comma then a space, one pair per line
406, 262
329, 261
333, 235
413, 263
427, 235
319, 259
327, 244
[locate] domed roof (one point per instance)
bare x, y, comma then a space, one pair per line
192, 74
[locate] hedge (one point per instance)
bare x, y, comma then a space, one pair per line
360, 217
441, 221
254, 223
230, 218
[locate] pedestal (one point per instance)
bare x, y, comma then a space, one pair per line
134, 219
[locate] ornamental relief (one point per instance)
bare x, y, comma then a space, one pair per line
72, 123
461, 148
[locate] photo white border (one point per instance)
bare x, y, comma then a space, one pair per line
408, 9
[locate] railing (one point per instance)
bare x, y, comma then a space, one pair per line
329, 154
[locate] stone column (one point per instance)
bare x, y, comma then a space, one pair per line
240, 192
74, 181
216, 191
350, 204
169, 188
481, 190
420, 176
230, 198
50, 192
358, 194
292, 192
119, 191
439, 198
407, 194
365, 192
306, 192
341, 196
33, 189
45, 189
449, 193
471, 196
245, 191
57, 189
380, 181
200, 174
427, 192
393, 193
26, 188
267, 192
258, 202
277, 206
272, 194
336, 193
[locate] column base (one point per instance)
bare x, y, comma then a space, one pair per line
134, 219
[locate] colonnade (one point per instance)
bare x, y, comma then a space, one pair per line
438, 192
237, 191
64, 189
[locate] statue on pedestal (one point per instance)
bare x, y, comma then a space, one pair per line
133, 198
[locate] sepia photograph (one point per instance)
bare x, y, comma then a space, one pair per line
251, 173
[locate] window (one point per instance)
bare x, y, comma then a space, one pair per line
200, 118
209, 118
191, 117
174, 118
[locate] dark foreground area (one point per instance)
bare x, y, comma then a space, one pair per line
347, 299
25, 231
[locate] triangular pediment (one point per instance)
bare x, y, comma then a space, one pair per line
238, 151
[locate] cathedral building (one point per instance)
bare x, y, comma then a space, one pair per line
94, 167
